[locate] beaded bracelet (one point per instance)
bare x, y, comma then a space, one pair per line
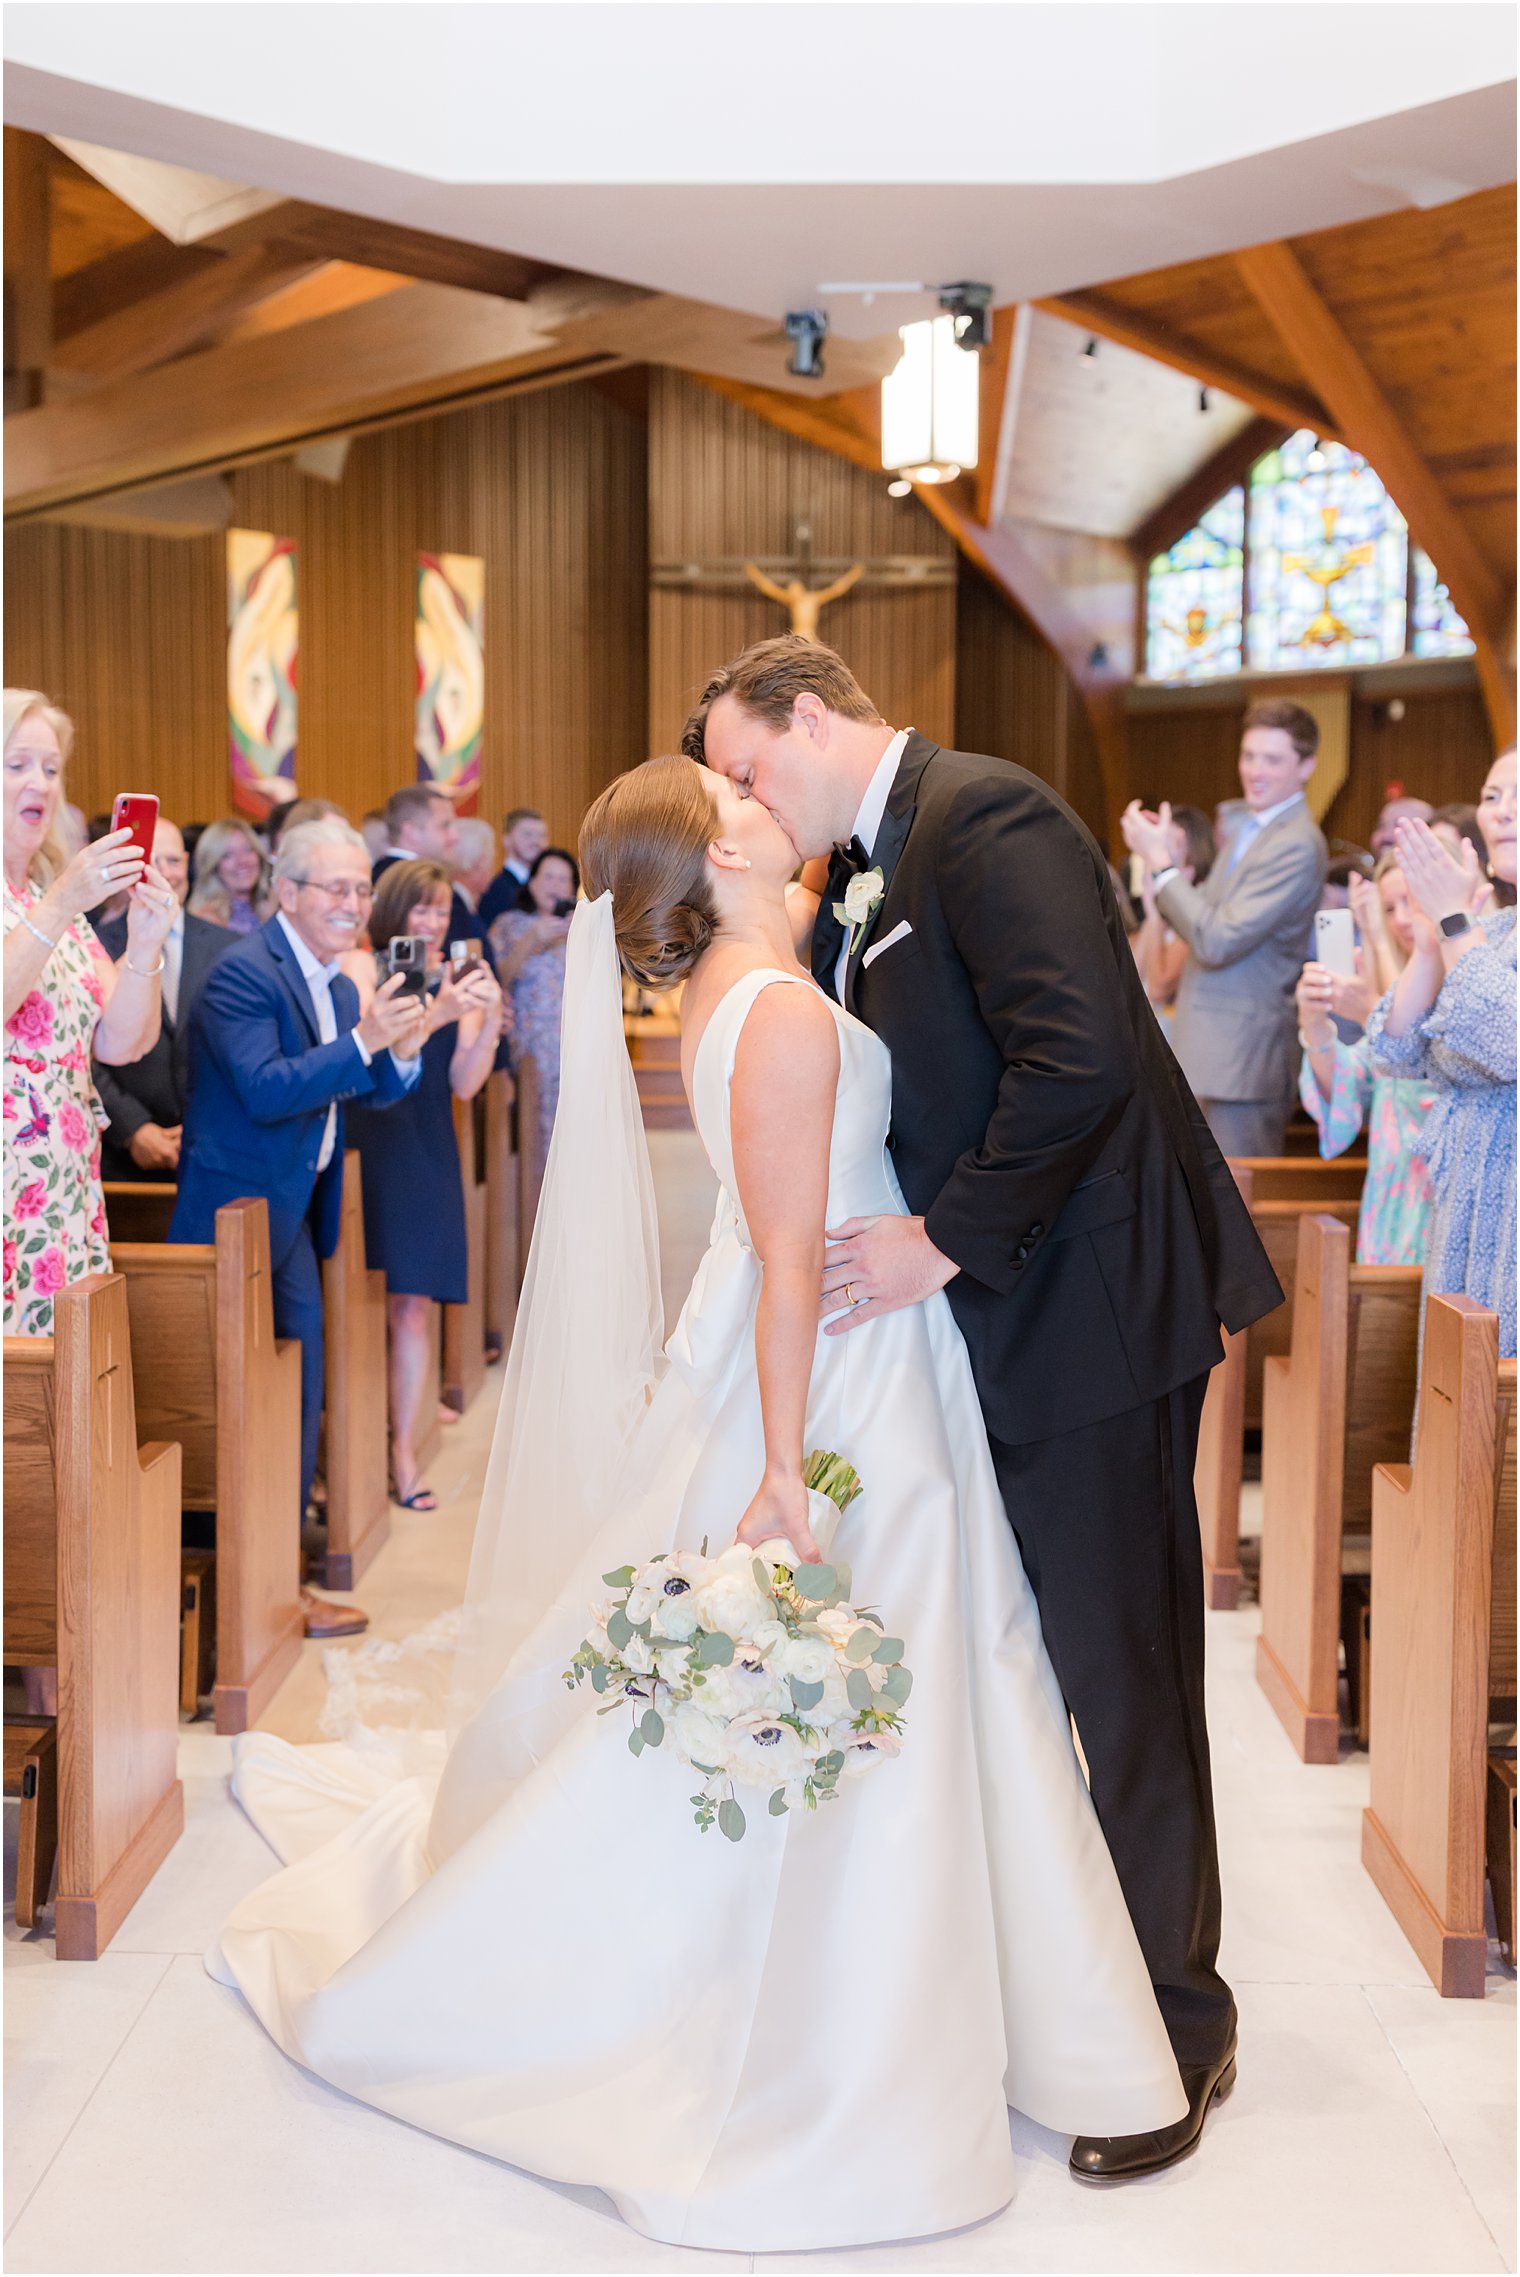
45, 938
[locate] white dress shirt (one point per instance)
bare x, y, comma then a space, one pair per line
1250, 827
319, 979
868, 823
173, 953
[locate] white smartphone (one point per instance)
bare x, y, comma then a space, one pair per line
1335, 941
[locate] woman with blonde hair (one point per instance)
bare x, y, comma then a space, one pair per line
231, 876
65, 1003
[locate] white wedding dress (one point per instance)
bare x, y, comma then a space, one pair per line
809, 2038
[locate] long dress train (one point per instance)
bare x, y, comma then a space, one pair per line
806, 2039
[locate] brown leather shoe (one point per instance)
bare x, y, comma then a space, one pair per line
1119, 2158
325, 1619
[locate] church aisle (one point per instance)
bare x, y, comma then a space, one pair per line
150, 2125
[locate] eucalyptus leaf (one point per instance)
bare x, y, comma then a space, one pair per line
858, 1686
844, 1577
815, 1582
762, 1578
622, 1579
714, 1649
778, 1803
898, 1685
805, 1696
861, 1645
731, 1820
599, 1677
619, 1629
890, 1648
652, 1725
635, 1743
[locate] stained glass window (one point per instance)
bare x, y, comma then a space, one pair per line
1195, 596
1437, 629
1329, 560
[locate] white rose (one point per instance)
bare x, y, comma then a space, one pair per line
768, 1637
697, 1736
670, 1662
742, 1691
838, 1623
727, 1597
637, 1656
809, 1659
861, 895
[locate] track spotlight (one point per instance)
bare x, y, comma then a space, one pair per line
807, 329
1316, 462
968, 305
899, 489
1090, 352
1203, 399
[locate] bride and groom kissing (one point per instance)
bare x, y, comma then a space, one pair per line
972, 1233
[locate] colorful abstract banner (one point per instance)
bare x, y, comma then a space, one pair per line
451, 681
261, 670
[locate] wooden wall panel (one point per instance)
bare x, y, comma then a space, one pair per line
1440, 750
549, 488
722, 483
1014, 699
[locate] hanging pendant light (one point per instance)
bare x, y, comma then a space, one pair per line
929, 404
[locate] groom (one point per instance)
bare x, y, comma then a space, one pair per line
1079, 1217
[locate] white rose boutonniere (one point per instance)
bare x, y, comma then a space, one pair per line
862, 898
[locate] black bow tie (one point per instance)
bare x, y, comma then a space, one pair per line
846, 862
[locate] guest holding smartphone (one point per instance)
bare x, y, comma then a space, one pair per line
528, 943
414, 1220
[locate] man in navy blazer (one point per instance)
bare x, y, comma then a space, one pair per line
276, 1047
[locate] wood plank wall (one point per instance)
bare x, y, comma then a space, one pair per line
129, 633
721, 483
1440, 750
1014, 700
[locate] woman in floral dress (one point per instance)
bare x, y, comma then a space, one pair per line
1339, 1089
1450, 1021
64, 1002
528, 944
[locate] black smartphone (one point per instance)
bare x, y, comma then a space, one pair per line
564, 909
407, 954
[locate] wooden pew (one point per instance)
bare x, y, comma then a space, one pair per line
1303, 1178
1221, 1447
530, 1156
1340, 1402
1443, 1613
357, 1449
1272, 1337
139, 1212
464, 1326
91, 1589
207, 1367
503, 1202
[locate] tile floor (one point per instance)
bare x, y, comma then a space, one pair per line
151, 2126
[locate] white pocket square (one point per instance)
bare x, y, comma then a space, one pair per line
878, 948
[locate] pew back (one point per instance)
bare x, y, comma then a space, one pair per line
357, 1425
1272, 1337
503, 1201
1342, 1400
92, 1587
139, 1211
206, 1363
464, 1326
1439, 1546
1303, 1178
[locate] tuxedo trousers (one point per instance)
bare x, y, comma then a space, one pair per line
1108, 1530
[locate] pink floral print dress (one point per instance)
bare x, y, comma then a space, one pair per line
55, 1219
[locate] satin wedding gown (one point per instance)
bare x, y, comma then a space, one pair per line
809, 2038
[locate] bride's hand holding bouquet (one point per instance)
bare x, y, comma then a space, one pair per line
780, 1509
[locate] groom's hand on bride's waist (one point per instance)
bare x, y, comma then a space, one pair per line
877, 1265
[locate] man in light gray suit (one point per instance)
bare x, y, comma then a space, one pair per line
1248, 929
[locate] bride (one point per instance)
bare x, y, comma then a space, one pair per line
809, 2038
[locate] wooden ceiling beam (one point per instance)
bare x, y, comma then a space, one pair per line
166, 323
1220, 472
1110, 320
1312, 333
995, 379
28, 269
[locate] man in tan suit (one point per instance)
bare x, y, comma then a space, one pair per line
1247, 928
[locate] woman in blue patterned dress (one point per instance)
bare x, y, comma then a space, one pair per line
528, 943
1450, 1020
1341, 1092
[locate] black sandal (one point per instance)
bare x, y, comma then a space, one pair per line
421, 1497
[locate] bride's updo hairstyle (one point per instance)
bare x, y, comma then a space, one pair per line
645, 841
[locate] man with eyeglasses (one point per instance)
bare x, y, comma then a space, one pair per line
276, 1047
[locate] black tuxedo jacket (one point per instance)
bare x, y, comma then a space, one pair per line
153, 1089
1040, 1124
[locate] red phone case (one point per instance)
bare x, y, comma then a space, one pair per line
137, 811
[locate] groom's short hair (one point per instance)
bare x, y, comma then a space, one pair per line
767, 679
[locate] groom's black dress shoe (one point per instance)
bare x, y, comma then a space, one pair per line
1117, 2158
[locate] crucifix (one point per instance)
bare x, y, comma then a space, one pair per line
788, 579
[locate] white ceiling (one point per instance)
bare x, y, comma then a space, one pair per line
746, 152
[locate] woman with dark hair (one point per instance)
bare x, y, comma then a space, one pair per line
1160, 954
414, 1222
528, 943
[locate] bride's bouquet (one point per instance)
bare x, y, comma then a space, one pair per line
755, 1670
